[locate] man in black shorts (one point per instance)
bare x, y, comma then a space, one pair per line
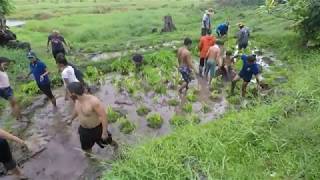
92, 116
40, 74
6, 156
57, 41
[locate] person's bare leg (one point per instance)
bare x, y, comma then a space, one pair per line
54, 102
88, 152
15, 108
17, 172
244, 88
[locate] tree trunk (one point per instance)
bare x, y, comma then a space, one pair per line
168, 24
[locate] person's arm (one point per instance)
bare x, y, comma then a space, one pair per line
45, 73
200, 45
100, 110
73, 116
8, 136
48, 43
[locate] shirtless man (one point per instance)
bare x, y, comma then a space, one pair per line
185, 64
214, 59
92, 117
228, 66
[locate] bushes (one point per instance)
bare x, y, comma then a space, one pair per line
126, 126
143, 111
155, 121
112, 116
30, 88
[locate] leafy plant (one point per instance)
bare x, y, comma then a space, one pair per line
195, 119
112, 116
123, 66
155, 121
187, 108
173, 102
178, 120
214, 95
143, 111
30, 88
191, 97
205, 108
126, 126
92, 74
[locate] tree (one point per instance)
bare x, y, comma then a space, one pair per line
5, 7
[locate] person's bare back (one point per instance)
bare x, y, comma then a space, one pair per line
214, 53
85, 110
183, 57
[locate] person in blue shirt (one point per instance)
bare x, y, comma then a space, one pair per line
40, 74
249, 68
222, 29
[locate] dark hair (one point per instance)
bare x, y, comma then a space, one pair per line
61, 59
4, 60
76, 88
187, 41
137, 58
220, 42
61, 56
252, 58
229, 53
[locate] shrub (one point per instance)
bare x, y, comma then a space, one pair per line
187, 108
195, 119
205, 108
191, 97
30, 88
173, 102
112, 116
126, 126
155, 121
143, 111
178, 120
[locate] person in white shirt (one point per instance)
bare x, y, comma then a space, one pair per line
67, 73
206, 21
6, 91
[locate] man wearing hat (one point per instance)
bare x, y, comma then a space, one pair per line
243, 36
40, 74
206, 21
6, 91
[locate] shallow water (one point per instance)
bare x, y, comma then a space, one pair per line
15, 23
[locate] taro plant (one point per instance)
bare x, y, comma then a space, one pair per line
187, 108
126, 126
155, 120
143, 111
112, 116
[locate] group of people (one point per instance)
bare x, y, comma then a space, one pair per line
88, 109
215, 60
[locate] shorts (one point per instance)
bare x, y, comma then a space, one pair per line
244, 78
202, 61
89, 137
56, 52
46, 89
211, 67
242, 46
6, 93
185, 73
6, 155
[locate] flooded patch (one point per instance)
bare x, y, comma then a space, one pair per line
15, 23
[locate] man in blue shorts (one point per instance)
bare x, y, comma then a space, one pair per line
249, 68
6, 91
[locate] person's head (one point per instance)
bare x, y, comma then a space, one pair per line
209, 11
4, 63
75, 89
61, 57
252, 59
137, 58
187, 42
229, 53
61, 63
220, 43
32, 57
227, 23
241, 25
55, 32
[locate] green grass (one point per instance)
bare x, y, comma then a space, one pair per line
155, 120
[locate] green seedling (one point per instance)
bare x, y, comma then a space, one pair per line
112, 116
155, 121
187, 108
178, 120
126, 126
173, 102
143, 111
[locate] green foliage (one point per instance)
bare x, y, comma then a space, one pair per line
173, 102
235, 100
191, 96
155, 120
126, 126
214, 95
56, 80
112, 116
205, 108
6, 7
179, 120
187, 108
123, 66
92, 74
195, 119
143, 111
30, 88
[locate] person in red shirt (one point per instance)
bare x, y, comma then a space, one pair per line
205, 43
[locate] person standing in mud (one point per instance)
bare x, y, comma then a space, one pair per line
6, 156
249, 68
6, 91
58, 43
228, 66
243, 37
79, 75
92, 117
67, 73
40, 74
214, 59
206, 21
185, 64
205, 43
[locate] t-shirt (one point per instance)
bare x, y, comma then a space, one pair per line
4, 80
206, 21
223, 28
205, 43
248, 69
243, 36
56, 42
68, 73
37, 69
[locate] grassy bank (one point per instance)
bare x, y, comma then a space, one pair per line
278, 139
